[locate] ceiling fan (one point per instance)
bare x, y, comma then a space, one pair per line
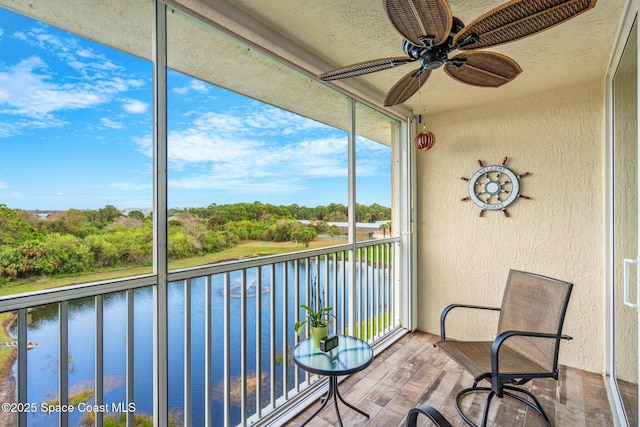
431, 32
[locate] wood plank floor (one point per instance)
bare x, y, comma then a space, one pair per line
412, 372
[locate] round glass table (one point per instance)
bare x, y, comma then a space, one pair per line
350, 356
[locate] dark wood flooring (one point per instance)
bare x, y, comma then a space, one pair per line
412, 372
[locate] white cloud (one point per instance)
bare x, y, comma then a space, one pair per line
25, 92
71, 51
38, 92
274, 121
107, 122
135, 106
194, 86
3, 185
269, 151
255, 153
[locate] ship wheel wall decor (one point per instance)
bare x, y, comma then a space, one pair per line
494, 187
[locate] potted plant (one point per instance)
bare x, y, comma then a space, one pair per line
317, 317
317, 320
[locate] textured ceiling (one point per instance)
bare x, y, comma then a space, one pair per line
343, 32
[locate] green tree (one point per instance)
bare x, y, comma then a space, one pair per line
33, 220
65, 254
103, 216
337, 216
72, 221
306, 235
282, 230
75, 222
135, 214
384, 227
13, 229
320, 226
333, 231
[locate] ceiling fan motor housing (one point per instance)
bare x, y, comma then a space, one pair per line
435, 58
430, 57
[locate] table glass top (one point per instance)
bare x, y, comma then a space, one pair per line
351, 355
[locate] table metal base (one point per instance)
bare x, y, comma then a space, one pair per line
335, 394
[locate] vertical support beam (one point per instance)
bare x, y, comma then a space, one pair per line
160, 267
351, 285
405, 293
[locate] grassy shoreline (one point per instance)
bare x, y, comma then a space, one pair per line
249, 249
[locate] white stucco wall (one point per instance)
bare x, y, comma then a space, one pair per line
557, 136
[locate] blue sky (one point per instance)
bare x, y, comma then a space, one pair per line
76, 132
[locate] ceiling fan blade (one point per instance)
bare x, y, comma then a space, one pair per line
422, 22
488, 69
365, 68
406, 87
518, 19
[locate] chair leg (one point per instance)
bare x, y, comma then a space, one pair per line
507, 391
536, 405
470, 390
485, 414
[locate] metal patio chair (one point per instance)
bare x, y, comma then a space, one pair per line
527, 343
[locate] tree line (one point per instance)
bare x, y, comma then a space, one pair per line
82, 241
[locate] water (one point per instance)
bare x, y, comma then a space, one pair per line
42, 370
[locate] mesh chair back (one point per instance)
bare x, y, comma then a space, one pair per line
534, 303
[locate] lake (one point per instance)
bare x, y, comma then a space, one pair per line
43, 328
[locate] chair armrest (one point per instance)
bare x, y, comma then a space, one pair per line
448, 308
430, 412
500, 339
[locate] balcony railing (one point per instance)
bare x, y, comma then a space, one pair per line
86, 353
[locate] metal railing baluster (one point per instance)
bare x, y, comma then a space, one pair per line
285, 331
296, 313
272, 334
343, 289
258, 348
130, 350
22, 364
99, 357
227, 349
187, 352
376, 303
243, 347
208, 382
358, 281
63, 367
334, 287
